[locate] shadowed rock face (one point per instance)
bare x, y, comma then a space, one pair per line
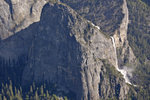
54, 55
66, 49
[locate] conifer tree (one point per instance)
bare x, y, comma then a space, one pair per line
8, 92
3, 93
20, 90
0, 96
65, 98
11, 89
42, 91
33, 86
47, 95
31, 89
15, 91
6, 86
18, 96
54, 97
36, 96
27, 97
4, 98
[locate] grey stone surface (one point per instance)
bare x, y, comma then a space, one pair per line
62, 48
113, 18
18, 14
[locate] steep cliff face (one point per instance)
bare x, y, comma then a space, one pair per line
18, 14
62, 48
100, 12
126, 59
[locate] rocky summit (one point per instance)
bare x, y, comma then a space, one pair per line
80, 46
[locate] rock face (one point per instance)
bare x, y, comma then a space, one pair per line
117, 26
124, 53
124, 50
62, 48
18, 14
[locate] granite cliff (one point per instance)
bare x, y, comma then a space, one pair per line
113, 19
65, 48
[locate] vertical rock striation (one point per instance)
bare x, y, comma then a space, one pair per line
124, 72
64, 48
126, 59
18, 14
113, 18
122, 31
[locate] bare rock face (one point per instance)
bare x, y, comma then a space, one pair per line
113, 18
62, 48
5, 20
18, 14
125, 54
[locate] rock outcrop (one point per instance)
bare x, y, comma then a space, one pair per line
62, 48
126, 59
18, 14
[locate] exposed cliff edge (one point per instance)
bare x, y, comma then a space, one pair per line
62, 48
18, 14
126, 59
117, 26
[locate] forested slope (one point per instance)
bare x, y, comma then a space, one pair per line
139, 37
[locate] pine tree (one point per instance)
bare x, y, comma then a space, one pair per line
15, 91
33, 86
2, 85
54, 97
6, 86
36, 96
11, 89
47, 95
65, 98
4, 98
11, 98
42, 91
20, 90
0, 96
27, 97
31, 89
3, 93
18, 96
8, 92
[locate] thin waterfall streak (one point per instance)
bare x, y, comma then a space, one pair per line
122, 71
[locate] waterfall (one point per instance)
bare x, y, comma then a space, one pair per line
114, 45
94, 25
122, 71
123, 34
